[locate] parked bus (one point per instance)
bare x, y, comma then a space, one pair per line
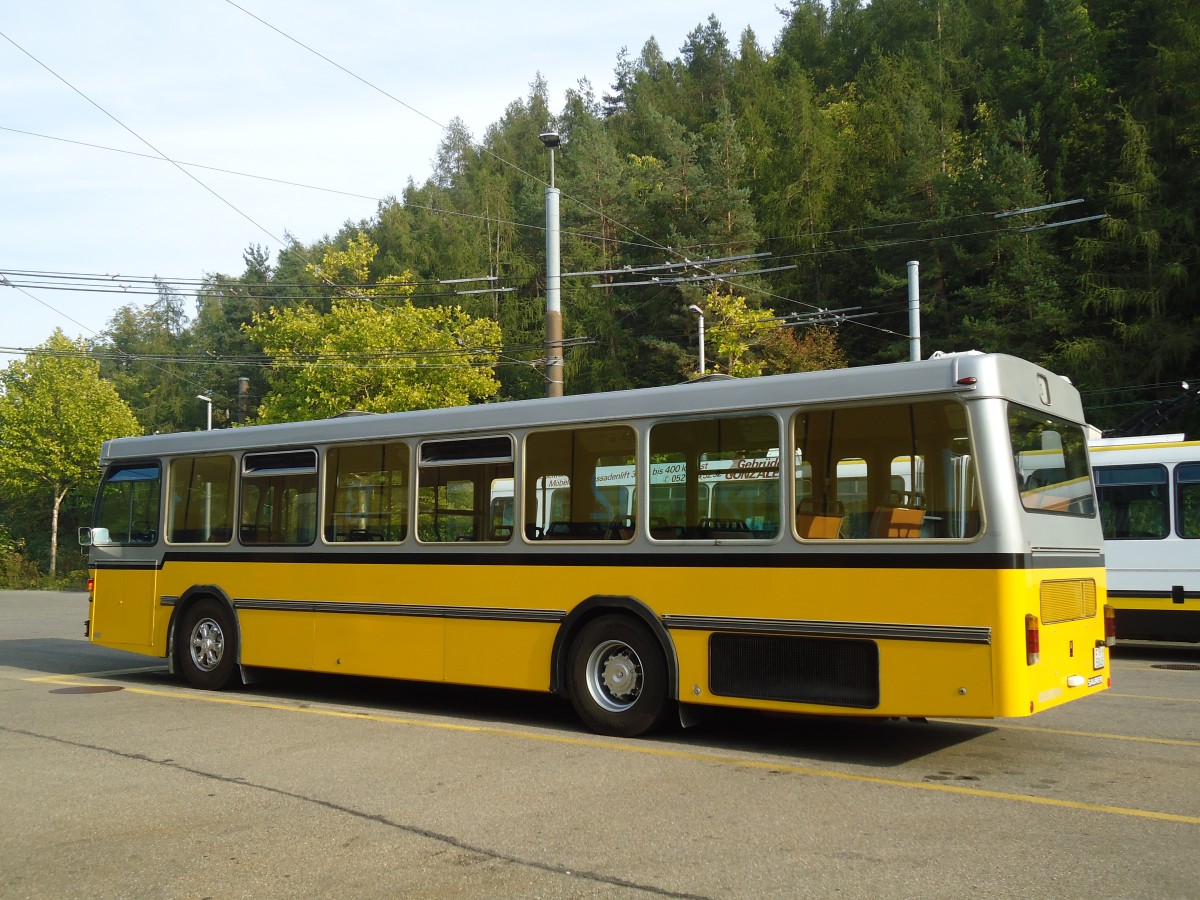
740, 543
1149, 493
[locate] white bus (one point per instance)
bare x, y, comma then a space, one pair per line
1149, 493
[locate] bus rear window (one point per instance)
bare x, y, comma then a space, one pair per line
1050, 455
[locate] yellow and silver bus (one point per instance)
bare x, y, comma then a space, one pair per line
850, 542
1149, 493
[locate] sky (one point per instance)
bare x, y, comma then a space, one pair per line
205, 82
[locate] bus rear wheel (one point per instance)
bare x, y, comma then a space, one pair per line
617, 677
207, 646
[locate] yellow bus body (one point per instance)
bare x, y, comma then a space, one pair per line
917, 677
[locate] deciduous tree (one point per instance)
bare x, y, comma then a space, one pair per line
55, 411
373, 355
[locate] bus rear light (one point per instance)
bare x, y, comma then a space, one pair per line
1033, 640
1110, 626
91, 585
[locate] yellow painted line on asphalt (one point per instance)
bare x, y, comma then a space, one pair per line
690, 756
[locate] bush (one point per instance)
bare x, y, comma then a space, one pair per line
75, 580
17, 570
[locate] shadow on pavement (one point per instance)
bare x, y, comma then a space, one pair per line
64, 656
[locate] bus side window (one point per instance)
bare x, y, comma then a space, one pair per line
366, 493
895, 471
200, 505
1133, 501
456, 481
579, 484
716, 479
279, 498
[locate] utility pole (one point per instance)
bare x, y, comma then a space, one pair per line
699, 312
914, 311
554, 330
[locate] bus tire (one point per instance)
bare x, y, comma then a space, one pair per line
617, 677
207, 645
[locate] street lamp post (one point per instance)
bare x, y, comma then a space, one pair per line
554, 352
207, 399
699, 312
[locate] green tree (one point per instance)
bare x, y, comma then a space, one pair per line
370, 355
733, 329
55, 411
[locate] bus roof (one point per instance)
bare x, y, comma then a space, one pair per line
972, 375
1145, 440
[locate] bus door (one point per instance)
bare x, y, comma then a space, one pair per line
126, 547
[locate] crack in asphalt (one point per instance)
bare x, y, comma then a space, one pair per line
376, 818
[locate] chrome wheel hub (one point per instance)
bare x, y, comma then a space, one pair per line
207, 645
614, 676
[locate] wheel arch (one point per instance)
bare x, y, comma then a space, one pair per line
603, 604
186, 601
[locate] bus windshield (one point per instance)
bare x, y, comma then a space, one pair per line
1052, 467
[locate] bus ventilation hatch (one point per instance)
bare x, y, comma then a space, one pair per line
1064, 601
831, 672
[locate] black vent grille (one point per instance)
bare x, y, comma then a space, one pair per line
832, 672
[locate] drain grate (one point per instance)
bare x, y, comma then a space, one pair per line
92, 689
1177, 667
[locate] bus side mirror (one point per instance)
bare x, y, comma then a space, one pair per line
1052, 440
94, 536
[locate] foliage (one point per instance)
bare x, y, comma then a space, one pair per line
734, 329
55, 412
17, 570
369, 354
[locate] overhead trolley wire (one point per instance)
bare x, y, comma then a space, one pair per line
413, 109
188, 174
711, 276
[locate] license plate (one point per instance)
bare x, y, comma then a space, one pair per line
1098, 657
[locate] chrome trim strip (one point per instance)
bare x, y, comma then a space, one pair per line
955, 634
398, 609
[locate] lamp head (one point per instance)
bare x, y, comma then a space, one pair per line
550, 138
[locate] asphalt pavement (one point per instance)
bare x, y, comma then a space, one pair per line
120, 781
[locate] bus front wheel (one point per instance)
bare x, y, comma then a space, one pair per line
207, 646
617, 677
